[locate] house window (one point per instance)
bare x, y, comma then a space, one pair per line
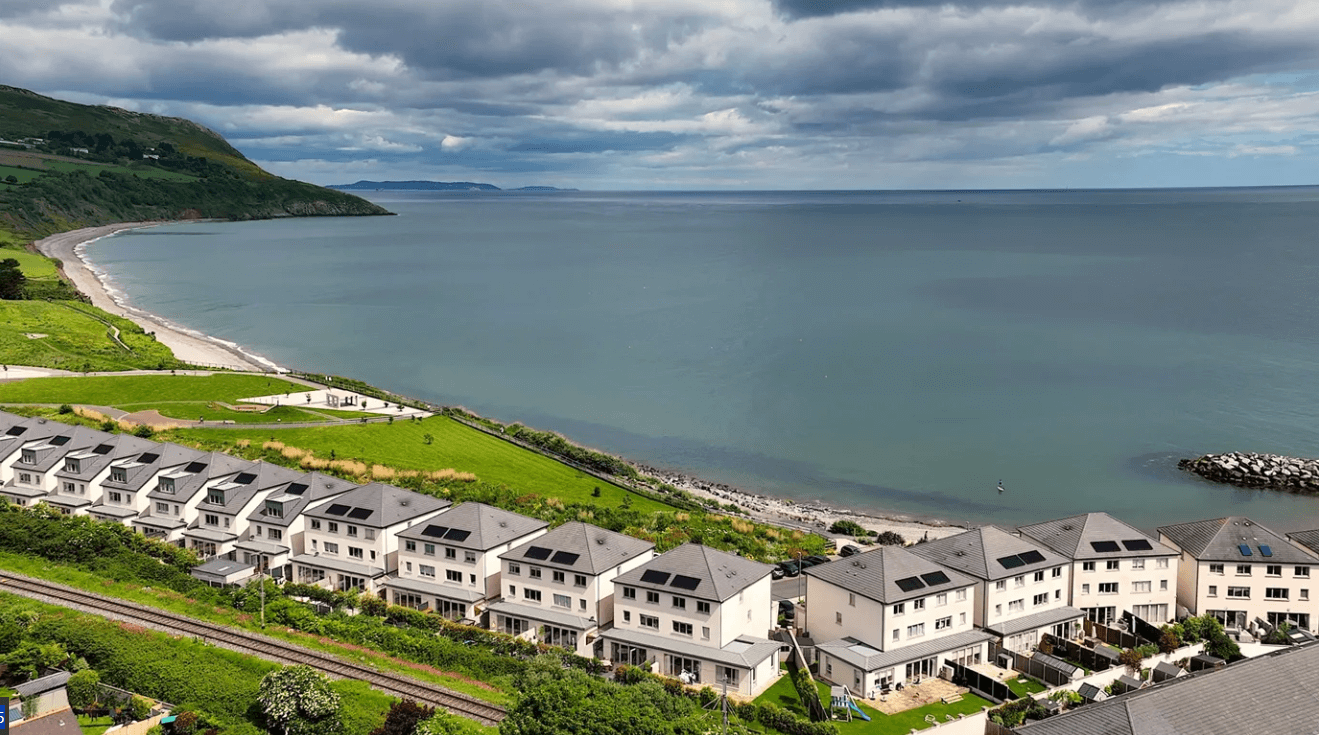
316, 526
1112, 565
705, 633
428, 549
579, 580
1139, 587
562, 601
900, 608
629, 593
961, 595
512, 590
469, 557
1019, 581
1016, 606
69, 488
274, 509
162, 507
1085, 589
1302, 572
453, 575
1087, 566
1042, 599
897, 634
118, 475
649, 621
998, 610
916, 631
1243, 570
1161, 564
1057, 572
1108, 588
961, 618
939, 599
515, 569
211, 519
627, 616
1275, 593
1241, 593
682, 628
1273, 570
1057, 594
450, 553
1001, 585
408, 566
369, 534
702, 607
918, 604
530, 594
943, 623
116, 498
354, 552
1215, 568
1213, 590
25, 478
426, 570
534, 572
331, 548
838, 618
409, 545
1163, 585
559, 577
333, 527
1305, 594
680, 602
1039, 576
1138, 564
352, 531
652, 597
582, 606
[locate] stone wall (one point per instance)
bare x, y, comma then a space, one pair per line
1247, 469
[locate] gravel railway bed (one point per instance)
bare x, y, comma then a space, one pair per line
253, 644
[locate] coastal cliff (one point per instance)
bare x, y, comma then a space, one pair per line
1248, 469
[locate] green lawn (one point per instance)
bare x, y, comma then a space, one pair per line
784, 694
94, 725
1024, 686
210, 411
74, 340
402, 445
32, 265
23, 175
146, 172
141, 390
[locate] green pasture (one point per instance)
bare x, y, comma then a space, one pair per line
141, 390
74, 339
23, 175
33, 266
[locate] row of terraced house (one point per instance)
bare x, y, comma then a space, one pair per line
888, 616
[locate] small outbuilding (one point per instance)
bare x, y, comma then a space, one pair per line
1166, 670
1204, 662
1091, 693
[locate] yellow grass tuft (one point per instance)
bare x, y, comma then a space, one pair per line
554, 503
464, 477
585, 515
682, 517
798, 535
294, 452
743, 526
772, 533
277, 446
380, 472
88, 413
349, 467
244, 443
409, 473
311, 462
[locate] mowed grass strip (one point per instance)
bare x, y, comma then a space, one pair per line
120, 390
402, 445
74, 340
33, 265
208, 411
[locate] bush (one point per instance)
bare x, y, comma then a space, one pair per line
890, 538
83, 688
850, 528
1168, 640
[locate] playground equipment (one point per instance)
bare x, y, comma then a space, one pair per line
841, 699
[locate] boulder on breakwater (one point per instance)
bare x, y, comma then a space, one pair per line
1248, 469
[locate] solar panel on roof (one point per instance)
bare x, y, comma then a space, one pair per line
1245, 550
538, 552
148, 458
1265, 550
1011, 562
1105, 547
360, 513
337, 509
935, 578
457, 534
297, 488
195, 467
652, 576
1137, 544
435, 531
15, 430
1032, 557
245, 478
59, 441
566, 558
102, 449
909, 584
683, 582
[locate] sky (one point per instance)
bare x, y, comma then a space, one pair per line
708, 94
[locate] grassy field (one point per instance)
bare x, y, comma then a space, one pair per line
402, 445
32, 265
74, 339
122, 390
23, 175
210, 411
784, 694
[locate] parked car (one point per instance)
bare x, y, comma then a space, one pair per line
849, 550
787, 610
776, 573
817, 559
790, 569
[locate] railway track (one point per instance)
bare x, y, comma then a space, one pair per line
254, 644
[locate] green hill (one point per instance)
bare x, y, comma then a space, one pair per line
64, 165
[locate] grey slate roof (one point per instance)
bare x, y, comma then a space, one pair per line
597, 549
48, 683
267, 477
1036, 620
59, 722
50, 450
187, 484
744, 652
875, 573
868, 658
1217, 540
93, 460
487, 526
1308, 539
339, 565
16, 431
221, 568
380, 506
541, 614
139, 470
434, 589
718, 574
318, 487
976, 552
1274, 694
1072, 537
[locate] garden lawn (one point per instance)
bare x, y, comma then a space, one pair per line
94, 725
402, 445
1024, 686
74, 339
121, 390
210, 411
784, 695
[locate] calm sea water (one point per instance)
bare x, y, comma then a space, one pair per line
893, 351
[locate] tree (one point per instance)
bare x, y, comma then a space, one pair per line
1168, 640
84, 687
443, 723
890, 538
1131, 658
403, 718
140, 707
11, 179
298, 700
12, 280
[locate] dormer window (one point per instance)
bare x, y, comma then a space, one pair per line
215, 497
166, 485
274, 509
118, 474
29, 456
72, 465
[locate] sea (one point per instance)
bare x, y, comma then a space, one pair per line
900, 352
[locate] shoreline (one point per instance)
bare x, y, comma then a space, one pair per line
194, 347
188, 345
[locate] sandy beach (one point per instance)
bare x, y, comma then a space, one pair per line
188, 345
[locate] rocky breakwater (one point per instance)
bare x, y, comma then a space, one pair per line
1247, 469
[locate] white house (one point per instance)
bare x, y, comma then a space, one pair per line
1115, 568
223, 514
78, 484
124, 490
559, 588
351, 540
889, 617
172, 504
30, 470
276, 526
1022, 587
451, 564
1237, 571
697, 614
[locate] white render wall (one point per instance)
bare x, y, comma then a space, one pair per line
833, 612
747, 613
1257, 582
997, 603
1160, 572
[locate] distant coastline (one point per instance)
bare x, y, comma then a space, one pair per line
434, 186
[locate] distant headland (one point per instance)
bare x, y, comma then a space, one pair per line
436, 186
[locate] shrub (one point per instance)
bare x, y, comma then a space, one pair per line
890, 538
849, 528
1168, 640
83, 688
140, 707
144, 431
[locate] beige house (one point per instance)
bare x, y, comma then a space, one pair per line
351, 540
171, 505
79, 483
888, 617
1115, 568
1022, 587
559, 588
276, 526
1239, 571
125, 488
699, 615
451, 565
